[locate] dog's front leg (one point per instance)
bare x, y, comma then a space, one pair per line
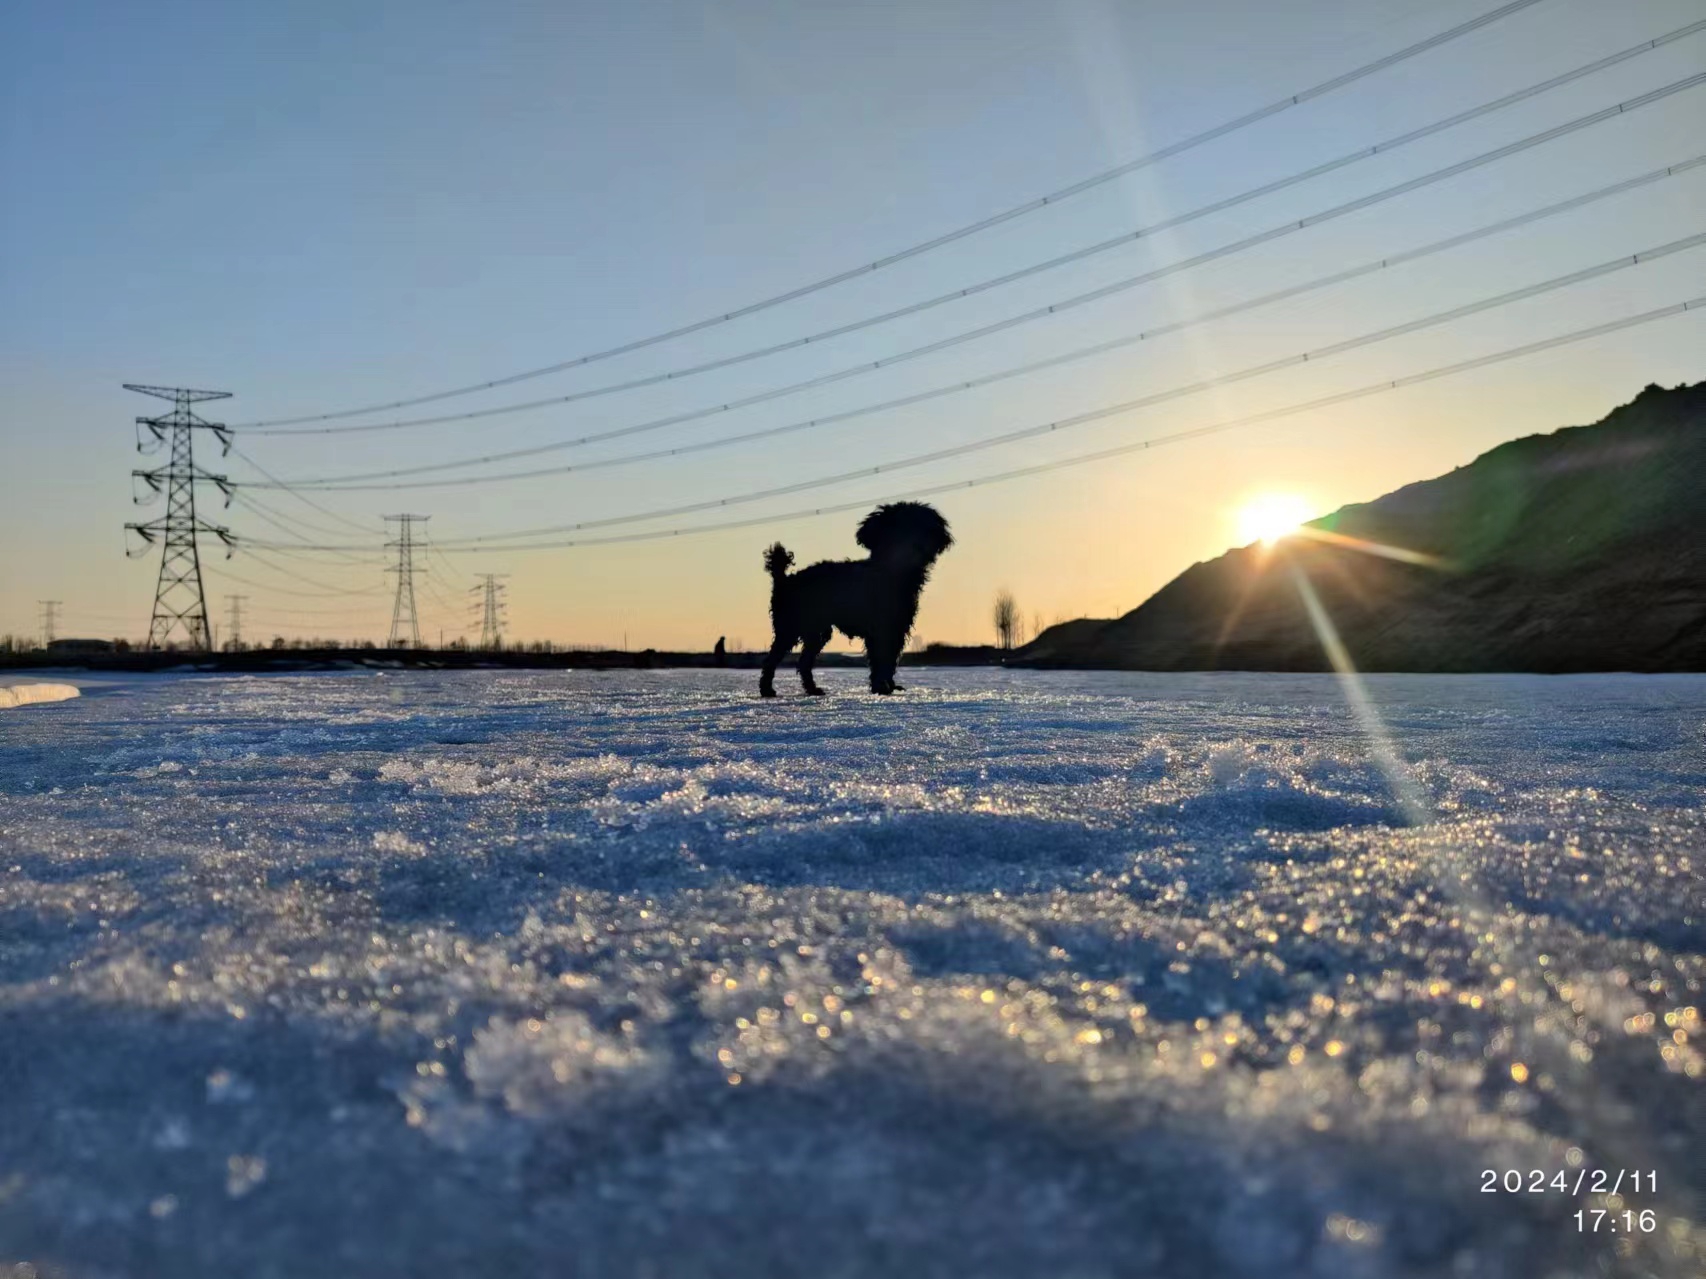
883, 655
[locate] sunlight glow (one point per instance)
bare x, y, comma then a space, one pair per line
1268, 518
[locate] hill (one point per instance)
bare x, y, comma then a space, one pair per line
1579, 550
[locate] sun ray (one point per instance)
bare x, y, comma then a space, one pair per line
1381, 747
1362, 545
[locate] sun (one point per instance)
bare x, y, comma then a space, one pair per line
1268, 518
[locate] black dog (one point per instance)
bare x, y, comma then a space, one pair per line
873, 599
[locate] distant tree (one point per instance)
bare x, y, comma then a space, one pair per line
1006, 618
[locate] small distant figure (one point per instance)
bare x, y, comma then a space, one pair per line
720, 654
874, 599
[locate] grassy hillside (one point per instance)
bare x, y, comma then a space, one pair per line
1583, 549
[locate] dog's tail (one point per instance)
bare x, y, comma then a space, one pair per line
777, 560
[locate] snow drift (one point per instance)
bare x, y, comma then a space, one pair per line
31, 693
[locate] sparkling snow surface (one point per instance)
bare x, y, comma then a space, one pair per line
513, 973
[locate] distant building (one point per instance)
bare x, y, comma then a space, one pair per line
76, 647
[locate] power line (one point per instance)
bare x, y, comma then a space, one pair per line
1124, 239
1176, 437
348, 610
950, 237
451, 569
49, 620
350, 482
78, 616
271, 516
1077, 254
1203, 384
1191, 388
368, 557
293, 523
301, 497
262, 554
226, 574
447, 607
354, 619
1036, 268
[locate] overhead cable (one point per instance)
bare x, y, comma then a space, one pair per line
357, 481
1123, 239
1101, 246
300, 497
1119, 450
1097, 414
950, 237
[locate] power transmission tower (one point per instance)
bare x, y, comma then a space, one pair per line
492, 612
179, 599
234, 605
405, 622
49, 620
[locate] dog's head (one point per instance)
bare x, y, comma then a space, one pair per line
906, 531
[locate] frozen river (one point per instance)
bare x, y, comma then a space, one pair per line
626, 974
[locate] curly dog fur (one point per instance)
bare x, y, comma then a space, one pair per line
873, 599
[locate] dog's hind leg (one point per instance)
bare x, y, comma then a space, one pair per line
767, 677
812, 646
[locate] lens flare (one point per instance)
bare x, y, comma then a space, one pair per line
1268, 518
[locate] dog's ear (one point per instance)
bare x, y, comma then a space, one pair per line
870, 534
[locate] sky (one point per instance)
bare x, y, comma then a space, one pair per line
321, 206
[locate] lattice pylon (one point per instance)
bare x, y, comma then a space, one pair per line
234, 634
49, 620
405, 620
180, 601
492, 610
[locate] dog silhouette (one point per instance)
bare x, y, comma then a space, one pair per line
874, 599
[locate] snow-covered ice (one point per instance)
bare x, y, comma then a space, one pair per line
29, 692
407, 973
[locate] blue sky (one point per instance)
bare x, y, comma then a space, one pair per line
320, 205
